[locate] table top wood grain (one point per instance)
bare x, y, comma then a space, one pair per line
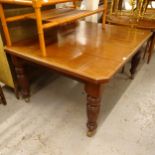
85, 51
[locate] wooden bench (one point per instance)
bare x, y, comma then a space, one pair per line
85, 52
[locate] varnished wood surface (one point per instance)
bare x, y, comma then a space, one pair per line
30, 2
55, 17
51, 22
85, 51
60, 16
20, 2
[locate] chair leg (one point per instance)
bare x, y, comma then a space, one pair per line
2, 97
145, 6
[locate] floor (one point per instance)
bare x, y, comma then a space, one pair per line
53, 123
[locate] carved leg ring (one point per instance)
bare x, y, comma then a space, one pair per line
93, 107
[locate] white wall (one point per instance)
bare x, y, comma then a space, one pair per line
91, 5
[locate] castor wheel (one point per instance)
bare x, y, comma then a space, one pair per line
27, 100
91, 133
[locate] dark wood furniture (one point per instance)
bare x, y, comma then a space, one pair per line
150, 47
2, 97
85, 52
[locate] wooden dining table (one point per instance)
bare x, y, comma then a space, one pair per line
85, 52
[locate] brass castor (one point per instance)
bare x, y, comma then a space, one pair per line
27, 100
91, 133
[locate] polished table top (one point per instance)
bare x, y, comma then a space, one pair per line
85, 51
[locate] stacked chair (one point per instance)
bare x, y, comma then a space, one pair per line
46, 19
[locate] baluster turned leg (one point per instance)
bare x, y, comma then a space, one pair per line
151, 47
21, 78
93, 107
134, 63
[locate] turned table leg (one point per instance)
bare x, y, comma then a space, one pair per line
134, 63
123, 69
93, 106
21, 78
147, 47
151, 47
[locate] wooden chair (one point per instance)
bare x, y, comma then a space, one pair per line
46, 20
145, 4
138, 9
2, 97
